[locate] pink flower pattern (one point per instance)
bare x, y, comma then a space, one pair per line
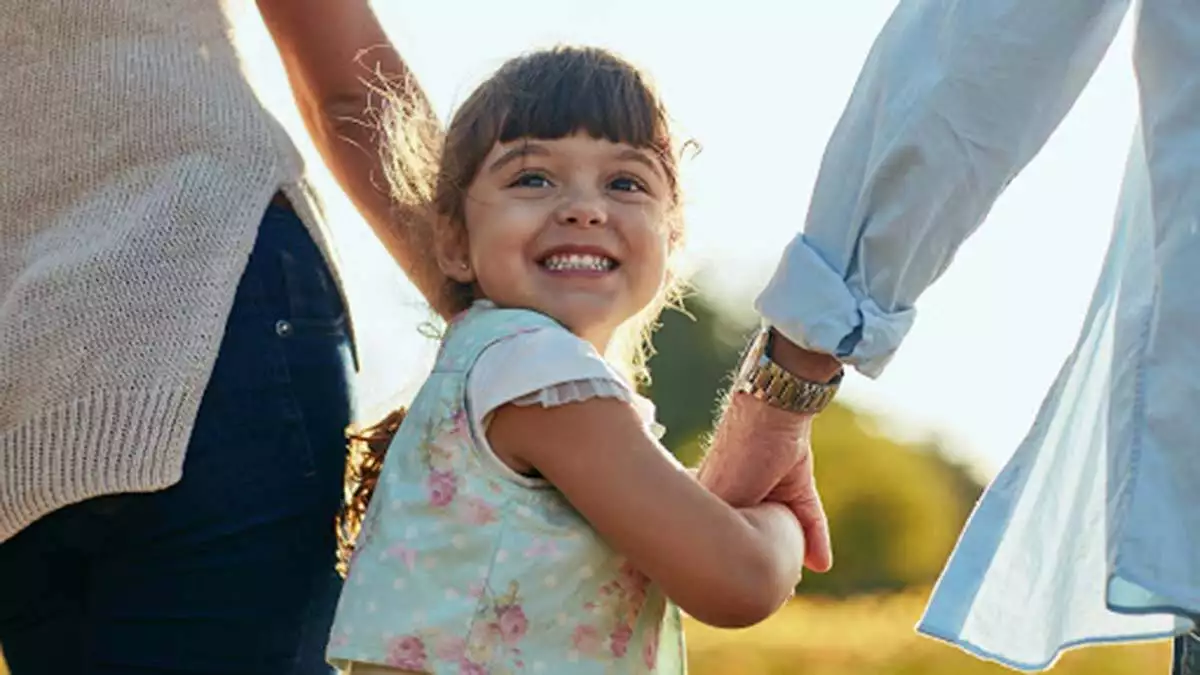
613, 615
451, 648
466, 667
618, 641
543, 548
476, 511
407, 652
586, 640
494, 647
513, 624
442, 487
405, 554
460, 423
650, 647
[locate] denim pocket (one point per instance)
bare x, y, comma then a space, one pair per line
284, 373
315, 306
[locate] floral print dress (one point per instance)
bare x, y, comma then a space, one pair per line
464, 567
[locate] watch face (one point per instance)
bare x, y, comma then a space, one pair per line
753, 357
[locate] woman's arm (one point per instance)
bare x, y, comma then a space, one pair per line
335, 53
727, 567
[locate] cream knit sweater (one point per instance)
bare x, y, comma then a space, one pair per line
135, 165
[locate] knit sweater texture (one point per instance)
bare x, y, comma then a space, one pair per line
136, 162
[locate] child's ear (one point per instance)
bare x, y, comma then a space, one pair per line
454, 253
674, 233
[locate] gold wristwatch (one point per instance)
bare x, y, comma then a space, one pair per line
769, 382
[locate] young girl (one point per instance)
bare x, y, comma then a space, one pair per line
527, 520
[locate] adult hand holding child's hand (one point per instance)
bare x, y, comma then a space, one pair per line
760, 453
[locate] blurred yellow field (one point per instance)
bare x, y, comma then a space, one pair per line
873, 636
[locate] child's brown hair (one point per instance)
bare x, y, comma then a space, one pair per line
364, 462
547, 94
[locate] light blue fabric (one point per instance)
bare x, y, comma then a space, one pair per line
462, 568
1091, 533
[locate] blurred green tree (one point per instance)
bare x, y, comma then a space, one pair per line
895, 508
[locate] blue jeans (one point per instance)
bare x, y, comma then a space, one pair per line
232, 569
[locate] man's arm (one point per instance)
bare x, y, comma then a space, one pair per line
335, 53
954, 99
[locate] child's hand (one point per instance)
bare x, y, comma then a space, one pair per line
779, 525
724, 566
797, 492
759, 453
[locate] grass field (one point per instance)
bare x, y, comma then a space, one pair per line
873, 636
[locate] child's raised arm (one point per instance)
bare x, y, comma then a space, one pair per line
726, 567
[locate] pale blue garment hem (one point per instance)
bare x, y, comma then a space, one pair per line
1035, 572
1125, 597
954, 99
1130, 593
976, 650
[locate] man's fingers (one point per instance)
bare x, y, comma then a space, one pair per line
818, 554
740, 480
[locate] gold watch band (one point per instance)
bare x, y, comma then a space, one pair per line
769, 382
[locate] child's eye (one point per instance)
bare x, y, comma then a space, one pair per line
627, 184
530, 179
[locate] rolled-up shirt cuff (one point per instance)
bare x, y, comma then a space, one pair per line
811, 304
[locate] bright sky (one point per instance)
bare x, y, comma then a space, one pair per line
760, 84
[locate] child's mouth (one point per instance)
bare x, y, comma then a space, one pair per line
579, 262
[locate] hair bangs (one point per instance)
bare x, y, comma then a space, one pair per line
587, 91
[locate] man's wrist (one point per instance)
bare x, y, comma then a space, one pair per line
755, 443
801, 362
761, 419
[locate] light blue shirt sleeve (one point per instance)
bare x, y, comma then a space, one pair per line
954, 100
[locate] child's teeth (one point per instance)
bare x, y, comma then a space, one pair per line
577, 261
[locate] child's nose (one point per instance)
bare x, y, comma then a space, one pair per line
583, 210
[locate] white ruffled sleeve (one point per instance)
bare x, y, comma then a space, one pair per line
548, 367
